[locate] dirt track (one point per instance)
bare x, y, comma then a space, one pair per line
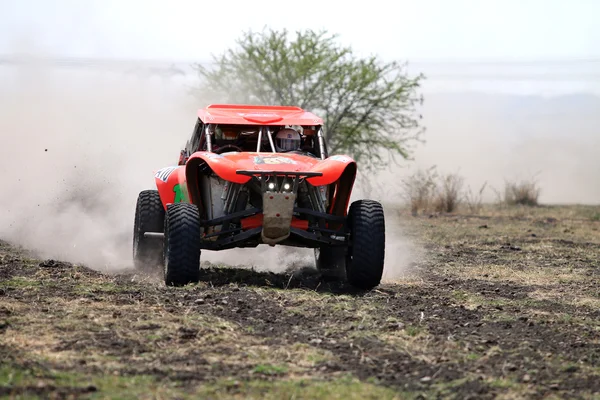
507, 305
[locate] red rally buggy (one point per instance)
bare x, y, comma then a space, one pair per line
252, 175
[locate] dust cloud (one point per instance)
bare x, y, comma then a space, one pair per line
78, 145
77, 148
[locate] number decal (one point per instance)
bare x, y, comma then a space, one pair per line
164, 173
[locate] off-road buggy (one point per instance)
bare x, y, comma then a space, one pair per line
235, 186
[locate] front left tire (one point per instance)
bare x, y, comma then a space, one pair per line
182, 244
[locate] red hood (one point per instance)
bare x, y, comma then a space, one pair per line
227, 165
272, 161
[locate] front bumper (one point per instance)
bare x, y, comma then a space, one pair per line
278, 222
250, 234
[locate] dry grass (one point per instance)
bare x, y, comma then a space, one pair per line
428, 191
419, 188
474, 202
503, 304
449, 193
524, 192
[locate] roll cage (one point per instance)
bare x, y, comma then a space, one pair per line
217, 138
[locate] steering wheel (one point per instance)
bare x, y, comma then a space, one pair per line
228, 147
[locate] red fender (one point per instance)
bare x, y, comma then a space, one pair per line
339, 170
225, 166
332, 168
341, 190
222, 166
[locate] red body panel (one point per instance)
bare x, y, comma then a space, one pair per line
172, 185
256, 221
256, 115
338, 171
223, 166
332, 168
226, 165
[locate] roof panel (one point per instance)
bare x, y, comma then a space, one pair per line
257, 115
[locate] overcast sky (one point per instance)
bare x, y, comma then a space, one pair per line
394, 29
402, 29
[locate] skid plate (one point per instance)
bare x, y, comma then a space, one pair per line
278, 208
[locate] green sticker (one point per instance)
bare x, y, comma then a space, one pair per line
180, 194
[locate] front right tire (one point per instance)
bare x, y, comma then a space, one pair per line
366, 253
149, 217
182, 244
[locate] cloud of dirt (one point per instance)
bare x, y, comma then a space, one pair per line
263, 258
77, 147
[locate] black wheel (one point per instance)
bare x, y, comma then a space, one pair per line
331, 261
182, 244
149, 217
366, 253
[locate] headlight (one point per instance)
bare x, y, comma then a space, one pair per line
286, 186
271, 186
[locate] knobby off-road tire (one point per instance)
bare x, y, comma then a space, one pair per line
182, 244
366, 254
149, 217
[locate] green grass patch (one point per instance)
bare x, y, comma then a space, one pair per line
412, 330
101, 288
460, 295
39, 382
268, 369
20, 282
340, 389
42, 383
503, 383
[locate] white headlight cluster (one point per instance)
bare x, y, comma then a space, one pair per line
286, 186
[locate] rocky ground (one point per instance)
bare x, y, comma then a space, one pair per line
505, 305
